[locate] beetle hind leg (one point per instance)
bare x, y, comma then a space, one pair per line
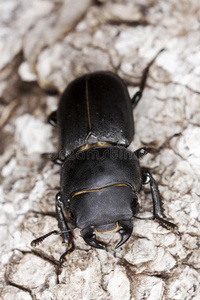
157, 207
138, 95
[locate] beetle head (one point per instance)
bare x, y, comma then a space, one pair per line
103, 210
90, 238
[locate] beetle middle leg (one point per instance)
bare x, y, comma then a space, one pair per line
144, 150
157, 207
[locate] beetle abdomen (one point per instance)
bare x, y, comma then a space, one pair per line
97, 105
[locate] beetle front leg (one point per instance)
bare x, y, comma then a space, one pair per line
65, 231
67, 237
61, 219
157, 207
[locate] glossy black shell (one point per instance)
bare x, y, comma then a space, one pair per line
95, 108
100, 184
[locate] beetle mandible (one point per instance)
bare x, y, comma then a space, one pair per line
100, 178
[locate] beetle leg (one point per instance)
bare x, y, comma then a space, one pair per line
58, 161
65, 231
157, 208
52, 119
67, 237
61, 220
138, 95
90, 238
54, 157
62, 258
39, 240
126, 231
141, 152
144, 150
163, 145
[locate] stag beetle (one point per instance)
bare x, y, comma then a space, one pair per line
100, 178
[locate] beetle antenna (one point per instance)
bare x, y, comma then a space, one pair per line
39, 240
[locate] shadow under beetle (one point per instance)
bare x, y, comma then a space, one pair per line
100, 178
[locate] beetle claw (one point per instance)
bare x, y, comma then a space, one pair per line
90, 238
126, 231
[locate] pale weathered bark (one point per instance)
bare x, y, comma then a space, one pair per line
43, 46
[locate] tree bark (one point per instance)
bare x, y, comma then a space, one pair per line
43, 46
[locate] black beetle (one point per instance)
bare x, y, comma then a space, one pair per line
100, 178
